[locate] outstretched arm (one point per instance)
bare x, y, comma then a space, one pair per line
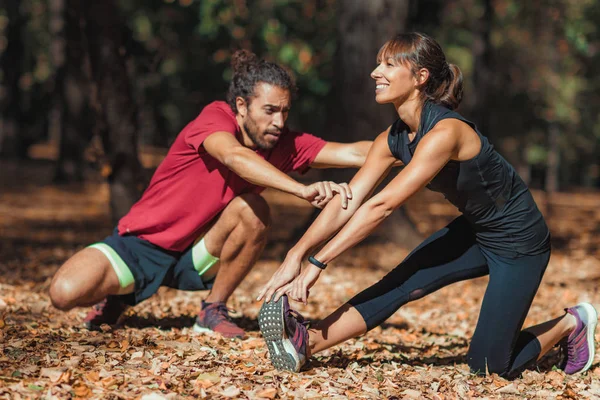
333, 217
432, 154
344, 155
254, 169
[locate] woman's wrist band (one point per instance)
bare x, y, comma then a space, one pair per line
316, 262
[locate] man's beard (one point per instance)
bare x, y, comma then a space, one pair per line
258, 140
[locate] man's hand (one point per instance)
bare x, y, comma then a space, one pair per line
299, 288
280, 279
320, 193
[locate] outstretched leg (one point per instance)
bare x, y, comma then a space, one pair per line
450, 255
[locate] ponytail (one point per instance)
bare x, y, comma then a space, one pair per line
451, 90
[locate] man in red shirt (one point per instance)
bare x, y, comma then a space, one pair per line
201, 223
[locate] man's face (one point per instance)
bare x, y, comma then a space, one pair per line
264, 118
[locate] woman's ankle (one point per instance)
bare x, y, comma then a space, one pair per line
570, 324
313, 340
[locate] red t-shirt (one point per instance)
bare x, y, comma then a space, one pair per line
190, 187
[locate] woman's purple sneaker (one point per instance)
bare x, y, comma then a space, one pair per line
579, 348
285, 333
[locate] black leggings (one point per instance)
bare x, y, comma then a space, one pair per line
451, 255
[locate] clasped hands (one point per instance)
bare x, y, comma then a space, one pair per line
320, 193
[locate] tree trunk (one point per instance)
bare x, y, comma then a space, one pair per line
11, 143
482, 69
115, 103
551, 181
363, 27
72, 90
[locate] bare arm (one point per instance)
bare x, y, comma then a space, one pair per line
248, 165
254, 169
344, 155
432, 154
333, 217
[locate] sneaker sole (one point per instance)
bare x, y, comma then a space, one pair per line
591, 328
272, 326
201, 329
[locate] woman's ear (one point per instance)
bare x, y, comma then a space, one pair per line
422, 76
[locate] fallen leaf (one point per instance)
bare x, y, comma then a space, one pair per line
153, 396
82, 390
231, 391
268, 393
508, 389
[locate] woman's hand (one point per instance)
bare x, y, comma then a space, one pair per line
281, 278
299, 289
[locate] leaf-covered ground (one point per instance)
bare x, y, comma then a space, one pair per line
418, 353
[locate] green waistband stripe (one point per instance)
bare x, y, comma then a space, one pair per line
201, 258
121, 269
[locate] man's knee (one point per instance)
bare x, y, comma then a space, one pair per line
82, 276
254, 212
63, 293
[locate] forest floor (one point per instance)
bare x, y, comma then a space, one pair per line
419, 353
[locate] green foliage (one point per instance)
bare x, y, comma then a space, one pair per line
187, 48
544, 61
544, 58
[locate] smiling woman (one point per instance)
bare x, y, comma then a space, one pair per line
418, 56
501, 232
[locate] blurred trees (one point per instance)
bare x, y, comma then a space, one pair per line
363, 26
116, 107
93, 94
529, 69
71, 95
11, 133
539, 86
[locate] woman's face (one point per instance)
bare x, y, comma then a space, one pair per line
395, 82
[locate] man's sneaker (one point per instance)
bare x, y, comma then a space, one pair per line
107, 311
285, 333
214, 317
578, 348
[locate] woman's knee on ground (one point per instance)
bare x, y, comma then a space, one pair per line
482, 360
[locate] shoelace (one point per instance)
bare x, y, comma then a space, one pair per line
299, 318
222, 312
571, 352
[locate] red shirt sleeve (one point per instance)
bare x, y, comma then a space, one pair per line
296, 151
216, 117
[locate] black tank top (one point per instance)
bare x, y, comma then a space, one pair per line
486, 190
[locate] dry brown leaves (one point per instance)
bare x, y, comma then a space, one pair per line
418, 354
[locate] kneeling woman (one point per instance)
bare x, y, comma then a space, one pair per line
501, 232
